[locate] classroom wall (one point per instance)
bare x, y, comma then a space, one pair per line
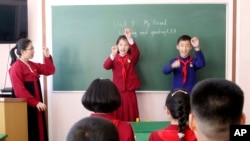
65, 107
5, 60
243, 51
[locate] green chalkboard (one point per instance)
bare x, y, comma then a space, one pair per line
82, 37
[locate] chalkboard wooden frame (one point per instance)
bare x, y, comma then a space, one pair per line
83, 35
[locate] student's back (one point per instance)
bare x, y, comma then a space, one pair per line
93, 129
172, 135
102, 97
215, 104
124, 129
177, 108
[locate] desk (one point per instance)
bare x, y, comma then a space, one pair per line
13, 118
2, 137
141, 136
142, 130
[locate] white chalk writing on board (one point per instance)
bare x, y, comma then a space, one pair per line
147, 27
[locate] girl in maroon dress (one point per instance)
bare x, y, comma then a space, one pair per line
178, 109
122, 60
24, 76
102, 97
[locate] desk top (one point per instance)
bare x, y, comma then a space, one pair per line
141, 136
146, 127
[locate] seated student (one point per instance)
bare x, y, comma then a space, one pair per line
177, 108
102, 97
215, 104
93, 129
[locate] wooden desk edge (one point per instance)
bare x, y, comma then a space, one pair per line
13, 100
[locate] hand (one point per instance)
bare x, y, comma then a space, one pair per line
195, 42
41, 106
176, 64
127, 33
114, 50
46, 52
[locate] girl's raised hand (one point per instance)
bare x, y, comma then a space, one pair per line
114, 50
127, 33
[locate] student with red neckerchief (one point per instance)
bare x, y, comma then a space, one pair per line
184, 67
122, 61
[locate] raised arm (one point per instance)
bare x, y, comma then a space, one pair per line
108, 64
199, 61
48, 67
135, 53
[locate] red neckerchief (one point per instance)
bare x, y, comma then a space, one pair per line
123, 60
184, 68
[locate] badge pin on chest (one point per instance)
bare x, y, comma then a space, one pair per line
129, 60
191, 65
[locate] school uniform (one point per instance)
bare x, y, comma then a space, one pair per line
185, 76
127, 81
124, 129
170, 133
25, 82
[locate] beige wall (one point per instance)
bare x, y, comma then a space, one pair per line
65, 107
244, 52
5, 61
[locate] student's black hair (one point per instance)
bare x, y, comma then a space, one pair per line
218, 101
93, 129
102, 96
122, 37
21, 44
183, 38
178, 103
